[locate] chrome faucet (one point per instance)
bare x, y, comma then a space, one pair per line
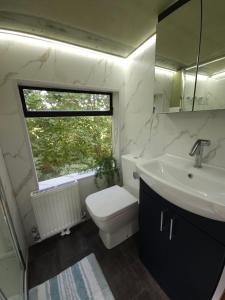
197, 150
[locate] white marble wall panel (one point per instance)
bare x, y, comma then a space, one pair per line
16, 219
210, 94
178, 133
136, 110
141, 132
162, 91
146, 134
37, 64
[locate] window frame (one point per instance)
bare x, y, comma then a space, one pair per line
62, 113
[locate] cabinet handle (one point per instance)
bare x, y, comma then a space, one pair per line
171, 229
161, 220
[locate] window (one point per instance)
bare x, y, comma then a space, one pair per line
69, 130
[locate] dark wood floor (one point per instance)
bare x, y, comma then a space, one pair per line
124, 272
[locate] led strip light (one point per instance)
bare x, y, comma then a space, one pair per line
46, 42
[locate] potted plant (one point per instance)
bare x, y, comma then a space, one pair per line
107, 171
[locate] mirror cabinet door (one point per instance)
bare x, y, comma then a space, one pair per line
177, 47
210, 88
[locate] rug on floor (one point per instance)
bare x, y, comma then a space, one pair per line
82, 281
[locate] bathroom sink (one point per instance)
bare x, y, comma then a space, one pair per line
201, 191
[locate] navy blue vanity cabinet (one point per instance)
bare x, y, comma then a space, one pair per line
153, 236
186, 260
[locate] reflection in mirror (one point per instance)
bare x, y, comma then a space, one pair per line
210, 91
177, 46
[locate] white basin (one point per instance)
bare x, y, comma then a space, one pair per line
201, 191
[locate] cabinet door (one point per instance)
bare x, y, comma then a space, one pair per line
153, 234
210, 88
195, 262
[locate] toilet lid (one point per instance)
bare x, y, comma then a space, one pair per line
110, 202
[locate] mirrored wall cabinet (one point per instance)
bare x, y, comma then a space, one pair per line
190, 57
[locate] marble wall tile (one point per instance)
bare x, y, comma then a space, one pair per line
13, 209
35, 64
149, 134
136, 110
137, 129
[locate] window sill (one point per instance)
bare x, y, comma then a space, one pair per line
54, 182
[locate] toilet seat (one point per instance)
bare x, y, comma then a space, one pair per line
109, 203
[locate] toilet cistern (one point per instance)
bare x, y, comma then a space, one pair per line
197, 150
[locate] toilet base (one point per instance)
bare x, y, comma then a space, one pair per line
112, 239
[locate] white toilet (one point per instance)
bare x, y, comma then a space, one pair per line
115, 210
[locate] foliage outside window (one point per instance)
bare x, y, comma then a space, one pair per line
63, 145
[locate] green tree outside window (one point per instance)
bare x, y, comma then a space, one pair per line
64, 145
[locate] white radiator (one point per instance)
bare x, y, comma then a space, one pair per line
56, 209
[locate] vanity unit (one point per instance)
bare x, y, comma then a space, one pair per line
182, 241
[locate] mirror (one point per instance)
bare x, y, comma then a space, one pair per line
210, 88
177, 47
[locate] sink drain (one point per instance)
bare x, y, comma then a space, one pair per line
190, 175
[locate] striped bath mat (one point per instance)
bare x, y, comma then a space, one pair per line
82, 281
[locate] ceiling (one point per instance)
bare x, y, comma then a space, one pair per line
114, 26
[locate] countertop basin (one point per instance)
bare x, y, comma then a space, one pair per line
201, 191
